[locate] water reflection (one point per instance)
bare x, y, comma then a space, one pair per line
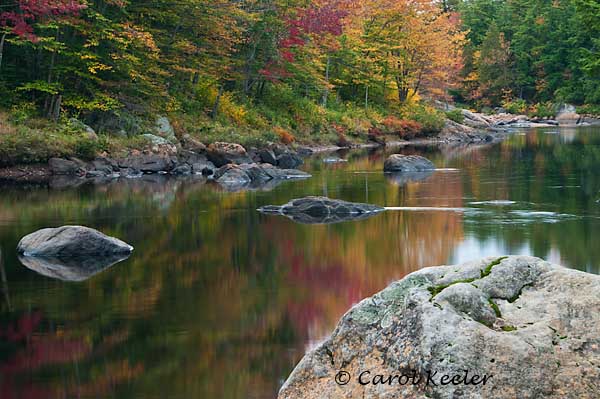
71, 269
221, 301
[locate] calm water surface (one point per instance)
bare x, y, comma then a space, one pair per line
219, 301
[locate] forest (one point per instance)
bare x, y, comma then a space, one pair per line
251, 71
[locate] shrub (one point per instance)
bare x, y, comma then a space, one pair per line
284, 136
455, 115
406, 129
432, 121
542, 110
515, 106
589, 109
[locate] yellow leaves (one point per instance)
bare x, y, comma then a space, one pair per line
132, 34
94, 67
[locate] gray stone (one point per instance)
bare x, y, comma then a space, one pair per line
71, 241
59, 166
253, 176
289, 160
148, 163
221, 154
191, 144
164, 129
530, 326
156, 140
267, 156
87, 130
182, 170
322, 210
407, 163
204, 168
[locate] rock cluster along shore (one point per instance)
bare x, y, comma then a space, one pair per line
227, 163
501, 327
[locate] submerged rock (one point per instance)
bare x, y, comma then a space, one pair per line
78, 268
322, 210
407, 163
289, 160
507, 327
71, 241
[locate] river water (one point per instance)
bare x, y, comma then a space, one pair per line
219, 301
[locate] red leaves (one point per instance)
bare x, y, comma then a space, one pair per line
28, 12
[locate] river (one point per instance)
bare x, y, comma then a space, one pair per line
220, 301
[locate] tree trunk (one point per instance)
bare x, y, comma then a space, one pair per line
326, 92
2, 47
215, 109
55, 107
367, 97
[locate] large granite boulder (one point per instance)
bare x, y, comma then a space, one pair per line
510, 327
222, 154
322, 210
70, 242
407, 163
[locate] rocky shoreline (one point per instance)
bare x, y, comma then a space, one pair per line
165, 154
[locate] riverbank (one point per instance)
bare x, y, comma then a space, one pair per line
34, 152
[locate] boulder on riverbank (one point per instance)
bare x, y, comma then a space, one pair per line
70, 242
526, 328
407, 163
221, 154
322, 210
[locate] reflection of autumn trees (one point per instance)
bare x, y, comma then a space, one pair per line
335, 266
220, 301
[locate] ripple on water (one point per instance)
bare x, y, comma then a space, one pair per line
493, 202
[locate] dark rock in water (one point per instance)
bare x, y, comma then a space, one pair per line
148, 163
71, 241
267, 156
402, 178
105, 166
235, 177
289, 160
222, 154
72, 268
407, 163
204, 168
182, 170
528, 325
322, 210
59, 166
231, 175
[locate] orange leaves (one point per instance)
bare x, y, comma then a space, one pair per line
411, 43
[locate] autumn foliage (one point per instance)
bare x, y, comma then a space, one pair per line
405, 129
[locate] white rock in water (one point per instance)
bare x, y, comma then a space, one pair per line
71, 241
